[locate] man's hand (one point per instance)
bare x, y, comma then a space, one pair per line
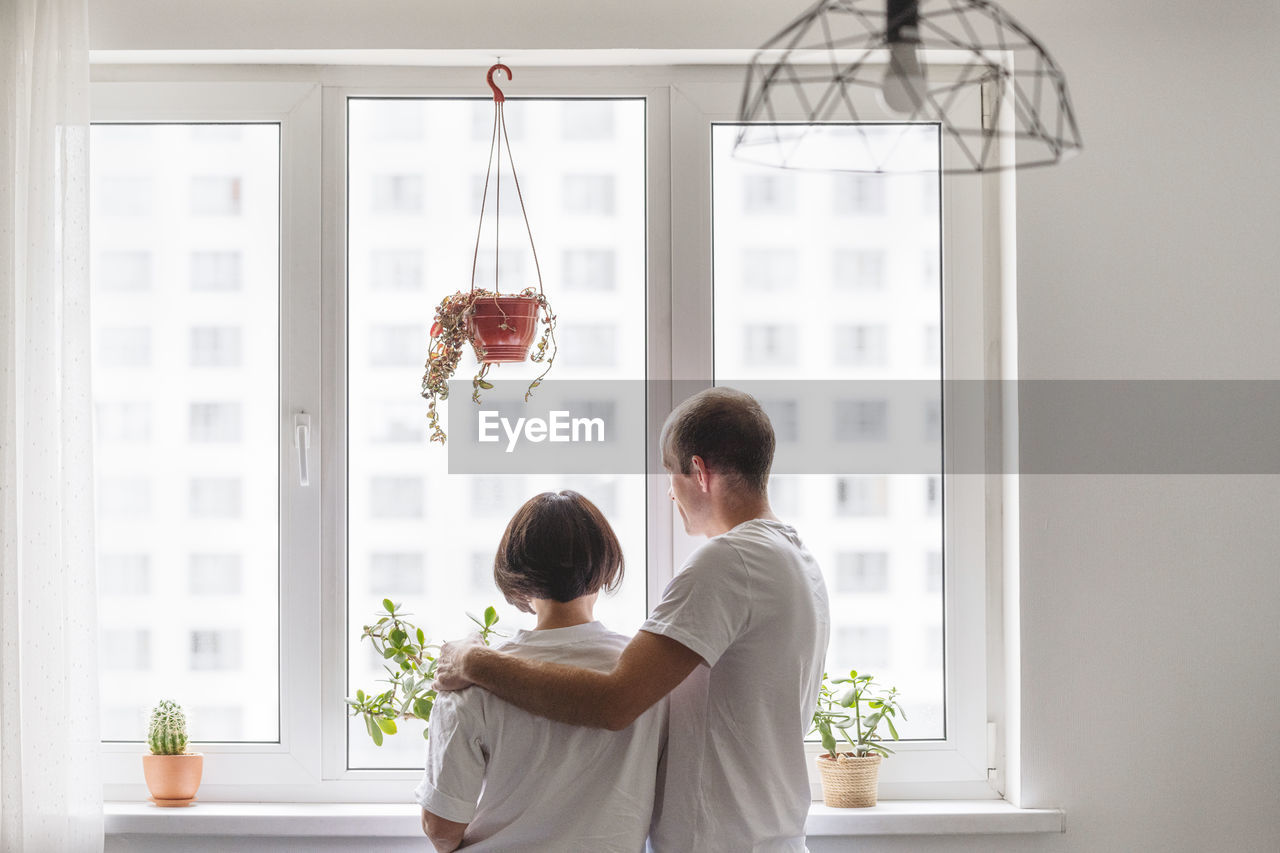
450, 674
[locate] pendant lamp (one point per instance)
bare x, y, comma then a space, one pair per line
962, 64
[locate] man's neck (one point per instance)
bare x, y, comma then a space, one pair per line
730, 517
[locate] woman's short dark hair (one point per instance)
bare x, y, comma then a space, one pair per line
728, 429
557, 546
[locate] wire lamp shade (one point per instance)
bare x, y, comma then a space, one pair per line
845, 62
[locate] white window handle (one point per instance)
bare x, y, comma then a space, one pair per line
302, 441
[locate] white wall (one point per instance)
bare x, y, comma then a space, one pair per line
1150, 645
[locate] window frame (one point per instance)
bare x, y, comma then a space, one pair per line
308, 764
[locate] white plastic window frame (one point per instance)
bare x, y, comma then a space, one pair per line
309, 763
294, 759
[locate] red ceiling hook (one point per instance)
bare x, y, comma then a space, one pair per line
497, 93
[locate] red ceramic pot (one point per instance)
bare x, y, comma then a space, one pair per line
489, 316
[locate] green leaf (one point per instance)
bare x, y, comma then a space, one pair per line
486, 385
360, 695
422, 708
828, 740
490, 617
388, 652
398, 637
893, 731
388, 726
422, 638
386, 603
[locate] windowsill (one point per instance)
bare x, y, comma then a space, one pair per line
399, 820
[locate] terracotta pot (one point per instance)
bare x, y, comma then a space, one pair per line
173, 779
502, 345
848, 782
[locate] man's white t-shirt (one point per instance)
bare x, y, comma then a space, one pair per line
753, 604
542, 785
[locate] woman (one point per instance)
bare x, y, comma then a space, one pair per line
499, 778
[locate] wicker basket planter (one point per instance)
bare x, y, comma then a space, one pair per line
849, 782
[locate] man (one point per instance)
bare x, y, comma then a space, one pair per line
738, 640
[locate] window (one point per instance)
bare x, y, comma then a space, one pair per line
397, 193
589, 194
214, 574
123, 272
216, 346
396, 269
215, 270
215, 196
215, 326
771, 270
862, 571
590, 269
187, 462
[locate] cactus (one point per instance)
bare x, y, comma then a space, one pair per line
167, 734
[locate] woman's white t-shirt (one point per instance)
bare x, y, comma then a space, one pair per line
522, 782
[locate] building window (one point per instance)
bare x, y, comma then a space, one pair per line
124, 346
589, 195
123, 272
396, 269
214, 574
124, 574
768, 194
770, 269
397, 193
216, 270
861, 647
402, 573
862, 345
122, 421
215, 346
862, 420
215, 497
125, 649
215, 650
214, 422
862, 572
769, 345
396, 497
215, 196
590, 269
588, 345
863, 496
858, 269
397, 346
858, 195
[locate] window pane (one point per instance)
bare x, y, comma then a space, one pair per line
185, 284
416, 533
836, 289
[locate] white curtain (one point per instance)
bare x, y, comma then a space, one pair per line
50, 782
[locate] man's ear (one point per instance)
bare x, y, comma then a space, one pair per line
701, 471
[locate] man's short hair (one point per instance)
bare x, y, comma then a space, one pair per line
728, 429
558, 546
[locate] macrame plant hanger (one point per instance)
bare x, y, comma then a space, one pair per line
493, 173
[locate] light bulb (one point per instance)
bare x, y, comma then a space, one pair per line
904, 85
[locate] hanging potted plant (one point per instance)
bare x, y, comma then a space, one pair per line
172, 773
850, 779
500, 327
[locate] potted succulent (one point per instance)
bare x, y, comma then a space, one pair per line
411, 669
172, 773
855, 707
499, 326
